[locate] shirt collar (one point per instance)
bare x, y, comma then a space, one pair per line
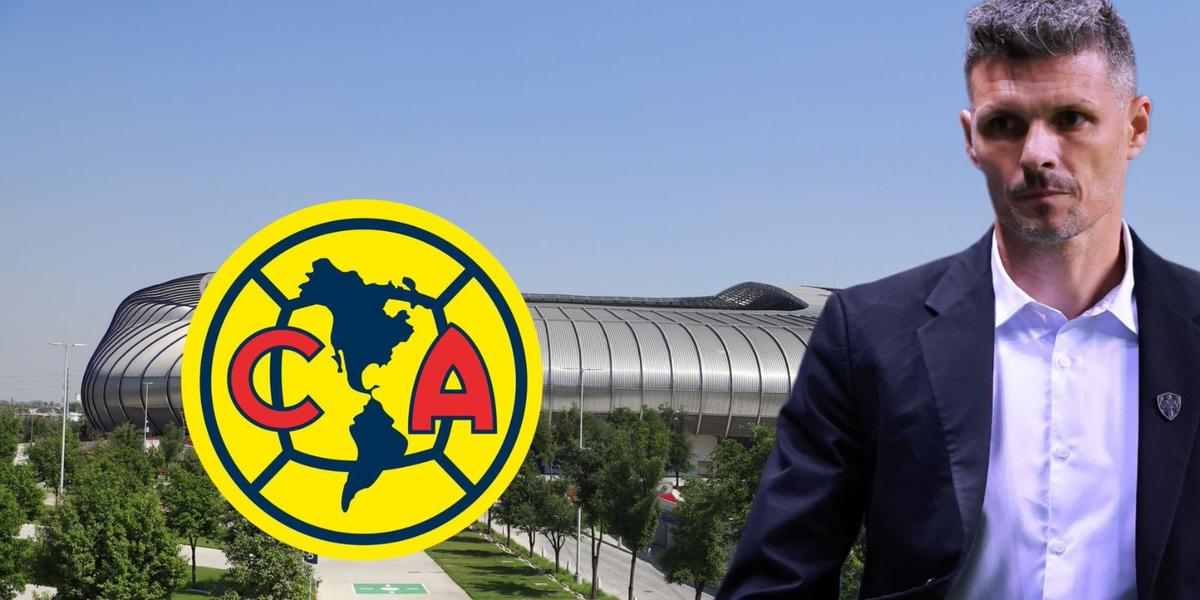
1119, 301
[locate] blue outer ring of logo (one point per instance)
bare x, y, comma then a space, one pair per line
510, 438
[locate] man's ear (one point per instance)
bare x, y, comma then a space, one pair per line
1139, 126
965, 118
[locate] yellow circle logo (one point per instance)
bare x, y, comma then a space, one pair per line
361, 379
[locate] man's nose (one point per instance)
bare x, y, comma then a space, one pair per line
1041, 148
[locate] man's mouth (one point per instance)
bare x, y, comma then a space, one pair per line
1037, 194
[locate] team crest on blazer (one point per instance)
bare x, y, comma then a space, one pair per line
1169, 404
361, 379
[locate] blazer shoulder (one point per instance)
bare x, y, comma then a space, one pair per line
1180, 283
1188, 276
1189, 281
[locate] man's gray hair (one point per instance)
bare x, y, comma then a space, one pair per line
1042, 28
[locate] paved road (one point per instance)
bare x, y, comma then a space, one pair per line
27, 532
205, 557
649, 583
30, 589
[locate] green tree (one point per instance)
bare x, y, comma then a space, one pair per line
109, 538
545, 445
194, 508
20, 480
635, 464
44, 458
170, 446
264, 568
87, 431
11, 428
701, 540
713, 511
679, 455
733, 477
127, 437
564, 432
124, 448
558, 517
736, 469
534, 504
12, 550
508, 510
583, 468
35, 427
523, 501
852, 569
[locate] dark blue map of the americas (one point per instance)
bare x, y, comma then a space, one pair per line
362, 334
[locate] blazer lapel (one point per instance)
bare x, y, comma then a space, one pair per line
1168, 361
957, 345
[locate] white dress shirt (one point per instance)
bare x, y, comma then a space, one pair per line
1058, 509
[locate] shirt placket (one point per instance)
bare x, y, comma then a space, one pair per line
1063, 389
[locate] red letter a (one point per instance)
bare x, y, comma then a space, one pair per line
452, 352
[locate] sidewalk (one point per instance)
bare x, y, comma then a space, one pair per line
649, 582
30, 589
205, 557
339, 576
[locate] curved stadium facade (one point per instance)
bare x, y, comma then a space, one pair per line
726, 361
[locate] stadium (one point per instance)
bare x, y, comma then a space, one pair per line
726, 361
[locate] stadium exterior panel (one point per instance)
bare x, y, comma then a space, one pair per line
726, 361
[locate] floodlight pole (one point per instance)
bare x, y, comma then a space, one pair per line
62, 457
145, 414
579, 507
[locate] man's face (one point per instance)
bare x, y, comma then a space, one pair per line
1053, 138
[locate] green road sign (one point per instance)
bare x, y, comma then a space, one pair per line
390, 589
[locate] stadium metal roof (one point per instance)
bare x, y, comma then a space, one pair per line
727, 360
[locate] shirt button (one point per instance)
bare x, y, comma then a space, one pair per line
1063, 362
1058, 546
1062, 452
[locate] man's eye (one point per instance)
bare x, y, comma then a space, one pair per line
1071, 118
1002, 123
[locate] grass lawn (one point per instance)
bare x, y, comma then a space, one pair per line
562, 575
206, 578
203, 542
485, 572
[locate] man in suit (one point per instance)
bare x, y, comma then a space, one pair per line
1017, 420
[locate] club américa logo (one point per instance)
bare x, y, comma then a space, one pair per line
361, 379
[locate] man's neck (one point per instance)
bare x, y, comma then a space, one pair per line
1071, 276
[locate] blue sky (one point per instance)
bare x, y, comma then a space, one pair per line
666, 148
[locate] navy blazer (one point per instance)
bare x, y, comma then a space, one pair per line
889, 426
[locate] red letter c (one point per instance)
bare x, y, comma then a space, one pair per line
241, 385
